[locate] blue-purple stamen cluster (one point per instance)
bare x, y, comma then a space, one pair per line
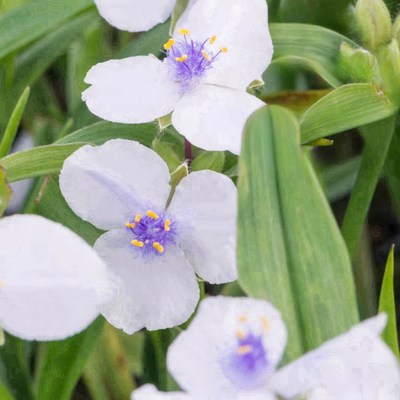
247, 366
150, 235
189, 60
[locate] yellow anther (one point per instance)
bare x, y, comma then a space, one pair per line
169, 44
137, 243
243, 318
138, 217
158, 247
224, 49
245, 349
182, 59
183, 31
167, 225
205, 55
213, 38
152, 214
130, 225
265, 324
240, 334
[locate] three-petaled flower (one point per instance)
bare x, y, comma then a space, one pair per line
233, 346
218, 49
52, 283
155, 242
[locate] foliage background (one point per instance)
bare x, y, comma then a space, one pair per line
50, 44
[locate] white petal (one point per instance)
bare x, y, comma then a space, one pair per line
194, 358
131, 90
213, 118
135, 15
208, 201
157, 293
242, 27
52, 283
354, 366
149, 392
107, 184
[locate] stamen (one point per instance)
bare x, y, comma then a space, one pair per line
138, 218
205, 55
240, 334
152, 214
169, 44
130, 225
243, 318
213, 39
158, 247
183, 31
243, 350
224, 49
265, 324
137, 243
182, 59
167, 225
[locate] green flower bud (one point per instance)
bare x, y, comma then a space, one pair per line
396, 28
359, 63
389, 66
373, 22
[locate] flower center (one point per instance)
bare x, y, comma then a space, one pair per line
247, 365
189, 60
151, 233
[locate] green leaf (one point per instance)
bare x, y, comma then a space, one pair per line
180, 7
13, 124
14, 356
170, 153
107, 374
49, 159
5, 192
29, 22
5, 394
312, 47
378, 137
387, 304
318, 12
285, 254
61, 363
338, 180
32, 63
347, 107
213, 160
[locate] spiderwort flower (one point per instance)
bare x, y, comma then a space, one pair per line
153, 248
233, 346
52, 283
135, 15
218, 49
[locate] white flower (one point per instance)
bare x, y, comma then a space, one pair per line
135, 15
52, 283
233, 346
153, 248
219, 48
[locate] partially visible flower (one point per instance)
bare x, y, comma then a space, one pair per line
52, 283
218, 49
154, 246
135, 15
233, 346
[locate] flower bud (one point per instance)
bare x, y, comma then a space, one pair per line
358, 63
373, 22
389, 67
